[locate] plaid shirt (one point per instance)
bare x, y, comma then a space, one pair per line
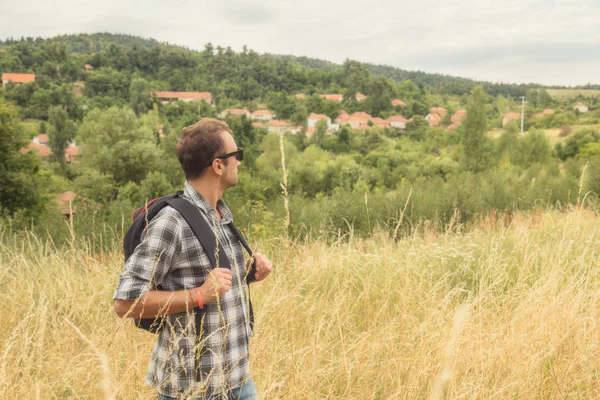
170, 258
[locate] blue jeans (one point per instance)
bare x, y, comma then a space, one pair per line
245, 392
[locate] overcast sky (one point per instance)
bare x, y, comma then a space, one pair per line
544, 41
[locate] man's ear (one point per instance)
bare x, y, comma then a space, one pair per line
217, 167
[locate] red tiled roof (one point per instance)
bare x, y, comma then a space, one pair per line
72, 150
332, 97
41, 149
276, 122
360, 96
397, 102
453, 126
257, 125
42, 138
263, 112
235, 111
63, 200
310, 131
397, 118
317, 116
301, 96
439, 110
434, 119
18, 78
88, 66
548, 111
66, 196
361, 114
458, 115
511, 116
380, 122
183, 95
363, 127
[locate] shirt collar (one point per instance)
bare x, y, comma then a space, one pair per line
197, 199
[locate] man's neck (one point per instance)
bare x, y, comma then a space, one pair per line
211, 191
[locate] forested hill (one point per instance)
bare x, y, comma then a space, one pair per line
134, 47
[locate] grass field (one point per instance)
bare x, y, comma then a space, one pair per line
504, 311
551, 134
31, 127
569, 93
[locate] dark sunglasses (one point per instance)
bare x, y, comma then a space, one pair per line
239, 155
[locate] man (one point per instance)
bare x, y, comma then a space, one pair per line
169, 274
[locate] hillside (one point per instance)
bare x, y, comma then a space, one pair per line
445, 84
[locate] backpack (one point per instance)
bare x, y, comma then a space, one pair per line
144, 214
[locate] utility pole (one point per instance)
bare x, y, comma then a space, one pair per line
522, 113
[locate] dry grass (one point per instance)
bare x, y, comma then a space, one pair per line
501, 312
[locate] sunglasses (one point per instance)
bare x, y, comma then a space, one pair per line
239, 155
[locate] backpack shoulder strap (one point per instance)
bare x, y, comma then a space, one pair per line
202, 230
208, 239
240, 237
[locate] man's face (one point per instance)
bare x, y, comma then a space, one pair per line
230, 174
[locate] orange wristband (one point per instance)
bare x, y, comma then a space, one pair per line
199, 297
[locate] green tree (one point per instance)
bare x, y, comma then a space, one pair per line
21, 187
116, 144
139, 95
62, 131
533, 147
320, 130
476, 146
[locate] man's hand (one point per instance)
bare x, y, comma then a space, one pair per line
263, 266
216, 285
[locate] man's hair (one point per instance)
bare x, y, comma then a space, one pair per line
200, 144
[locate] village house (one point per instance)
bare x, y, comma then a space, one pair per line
263, 115
380, 122
187, 97
332, 97
397, 121
278, 126
342, 118
237, 112
510, 117
16, 79
360, 97
64, 201
358, 118
41, 150
397, 102
433, 119
88, 68
452, 126
547, 111
72, 153
42, 138
458, 116
301, 96
581, 107
314, 118
441, 111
